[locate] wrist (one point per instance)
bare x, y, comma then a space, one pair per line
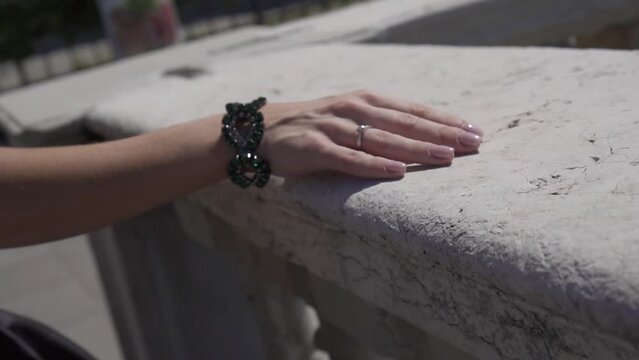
220, 152
209, 147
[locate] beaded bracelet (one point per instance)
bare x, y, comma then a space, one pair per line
243, 128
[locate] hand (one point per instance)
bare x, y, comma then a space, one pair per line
307, 137
75, 189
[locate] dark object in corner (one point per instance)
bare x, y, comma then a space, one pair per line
24, 339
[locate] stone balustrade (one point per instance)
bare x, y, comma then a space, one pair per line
527, 250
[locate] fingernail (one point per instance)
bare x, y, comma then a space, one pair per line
395, 167
473, 129
469, 139
442, 152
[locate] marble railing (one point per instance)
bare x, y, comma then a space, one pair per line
527, 250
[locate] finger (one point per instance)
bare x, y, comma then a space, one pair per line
388, 145
410, 126
360, 164
422, 111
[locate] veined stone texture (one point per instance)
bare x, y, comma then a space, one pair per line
527, 250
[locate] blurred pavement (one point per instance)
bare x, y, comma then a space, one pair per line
58, 284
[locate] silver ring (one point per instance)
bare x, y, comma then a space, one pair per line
361, 129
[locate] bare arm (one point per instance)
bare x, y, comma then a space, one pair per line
52, 193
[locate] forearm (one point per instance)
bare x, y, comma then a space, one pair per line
51, 193
48, 194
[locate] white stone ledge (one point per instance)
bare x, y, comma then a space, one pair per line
62, 101
527, 250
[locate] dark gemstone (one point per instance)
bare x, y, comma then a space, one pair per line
246, 160
231, 107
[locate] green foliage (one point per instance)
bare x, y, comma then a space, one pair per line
15, 30
140, 6
22, 22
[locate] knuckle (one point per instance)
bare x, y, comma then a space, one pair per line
382, 139
452, 119
407, 122
442, 132
344, 106
321, 149
364, 94
341, 162
448, 134
309, 138
427, 149
351, 159
307, 115
352, 155
306, 134
419, 109
328, 126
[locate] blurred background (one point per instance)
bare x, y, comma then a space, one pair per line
42, 39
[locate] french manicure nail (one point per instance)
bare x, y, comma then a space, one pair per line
442, 152
395, 167
469, 139
473, 129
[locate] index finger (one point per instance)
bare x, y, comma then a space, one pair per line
422, 111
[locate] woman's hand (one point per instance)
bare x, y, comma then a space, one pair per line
307, 137
75, 189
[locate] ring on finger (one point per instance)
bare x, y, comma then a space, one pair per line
361, 129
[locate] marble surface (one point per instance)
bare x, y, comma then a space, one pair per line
526, 250
62, 102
